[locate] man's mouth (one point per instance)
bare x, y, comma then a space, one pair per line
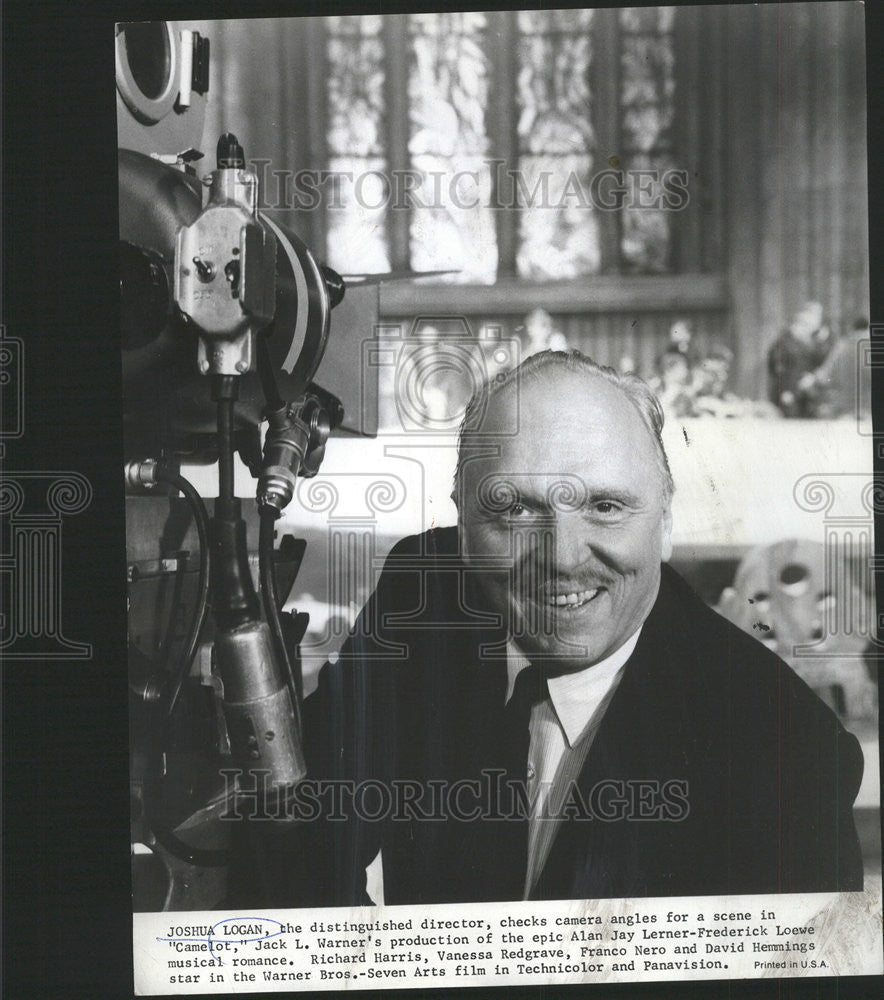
572, 599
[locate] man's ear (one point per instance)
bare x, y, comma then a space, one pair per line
666, 534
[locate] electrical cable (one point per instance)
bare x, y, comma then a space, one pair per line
265, 372
168, 641
225, 389
270, 597
268, 516
201, 519
151, 787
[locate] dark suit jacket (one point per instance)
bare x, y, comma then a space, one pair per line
769, 775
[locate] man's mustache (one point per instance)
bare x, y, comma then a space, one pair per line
535, 572
544, 582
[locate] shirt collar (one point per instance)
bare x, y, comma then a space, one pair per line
575, 697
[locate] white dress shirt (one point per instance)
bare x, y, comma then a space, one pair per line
562, 729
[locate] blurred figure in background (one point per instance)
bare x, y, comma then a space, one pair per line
843, 383
681, 335
674, 371
542, 334
793, 359
674, 383
711, 396
711, 376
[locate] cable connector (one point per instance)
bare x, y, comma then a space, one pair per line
285, 445
295, 444
141, 475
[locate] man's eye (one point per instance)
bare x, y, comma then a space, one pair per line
517, 510
607, 507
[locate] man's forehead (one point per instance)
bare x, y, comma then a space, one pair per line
558, 399
574, 425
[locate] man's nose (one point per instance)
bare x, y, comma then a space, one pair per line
569, 541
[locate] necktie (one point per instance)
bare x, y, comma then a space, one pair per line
512, 842
497, 850
530, 689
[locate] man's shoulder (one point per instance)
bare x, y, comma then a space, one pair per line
680, 601
420, 573
727, 659
430, 544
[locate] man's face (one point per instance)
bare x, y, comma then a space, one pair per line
681, 334
807, 321
571, 514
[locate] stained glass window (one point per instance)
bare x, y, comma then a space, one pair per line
452, 225
558, 232
540, 21
647, 100
448, 146
357, 192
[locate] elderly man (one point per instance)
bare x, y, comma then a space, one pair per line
533, 705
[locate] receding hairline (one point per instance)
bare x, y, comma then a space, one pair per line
543, 367
517, 390
550, 373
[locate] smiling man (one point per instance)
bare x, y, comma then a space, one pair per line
574, 502
534, 705
563, 492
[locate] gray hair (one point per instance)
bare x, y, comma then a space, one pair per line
534, 368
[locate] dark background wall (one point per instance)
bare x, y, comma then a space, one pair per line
796, 177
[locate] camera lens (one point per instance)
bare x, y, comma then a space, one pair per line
149, 55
